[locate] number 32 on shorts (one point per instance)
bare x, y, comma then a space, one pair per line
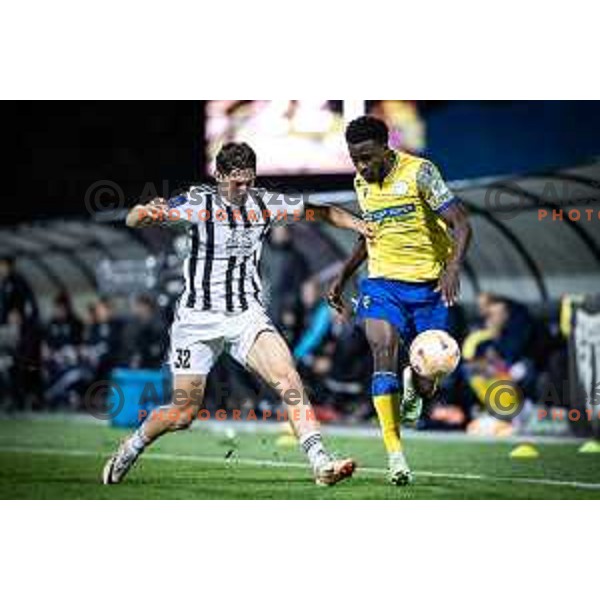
183, 358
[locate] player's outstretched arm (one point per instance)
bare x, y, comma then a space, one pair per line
147, 215
457, 219
358, 256
338, 217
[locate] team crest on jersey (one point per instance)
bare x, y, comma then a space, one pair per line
240, 242
366, 301
400, 188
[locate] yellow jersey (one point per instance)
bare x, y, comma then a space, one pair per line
412, 242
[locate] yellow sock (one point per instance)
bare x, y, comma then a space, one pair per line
389, 420
385, 388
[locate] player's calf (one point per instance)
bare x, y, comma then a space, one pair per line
176, 416
172, 417
271, 359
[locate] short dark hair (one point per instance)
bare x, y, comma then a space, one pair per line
366, 129
235, 155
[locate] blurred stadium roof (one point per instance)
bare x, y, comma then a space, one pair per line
517, 250
64, 255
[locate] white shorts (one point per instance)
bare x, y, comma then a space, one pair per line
198, 337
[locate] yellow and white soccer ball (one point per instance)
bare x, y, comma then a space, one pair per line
434, 354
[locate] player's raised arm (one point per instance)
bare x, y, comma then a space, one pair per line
338, 217
435, 192
178, 211
147, 215
358, 256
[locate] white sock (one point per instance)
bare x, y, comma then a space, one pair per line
138, 441
312, 444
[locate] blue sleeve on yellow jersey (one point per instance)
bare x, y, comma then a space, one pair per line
433, 188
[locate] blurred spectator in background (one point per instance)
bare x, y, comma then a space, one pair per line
311, 351
507, 347
64, 374
144, 336
65, 329
102, 340
231, 386
317, 321
20, 382
511, 323
15, 293
349, 377
334, 358
288, 270
9, 341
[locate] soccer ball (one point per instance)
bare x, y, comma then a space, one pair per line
434, 354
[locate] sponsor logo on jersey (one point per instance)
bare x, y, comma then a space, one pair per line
393, 212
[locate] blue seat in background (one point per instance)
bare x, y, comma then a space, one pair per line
141, 390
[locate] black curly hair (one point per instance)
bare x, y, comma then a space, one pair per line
366, 129
235, 155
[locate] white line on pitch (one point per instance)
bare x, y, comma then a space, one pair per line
273, 463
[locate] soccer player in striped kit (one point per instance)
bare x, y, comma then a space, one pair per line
221, 307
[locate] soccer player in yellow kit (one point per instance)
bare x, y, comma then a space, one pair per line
421, 235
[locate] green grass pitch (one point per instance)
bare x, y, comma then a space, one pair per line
63, 458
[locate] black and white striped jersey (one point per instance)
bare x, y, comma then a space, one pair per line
221, 271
